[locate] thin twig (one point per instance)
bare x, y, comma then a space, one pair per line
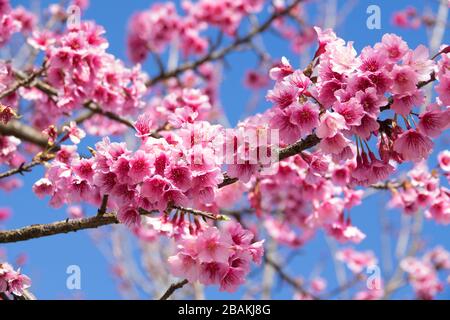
23, 82
20, 170
219, 54
174, 287
285, 277
66, 226
104, 205
93, 107
201, 213
294, 149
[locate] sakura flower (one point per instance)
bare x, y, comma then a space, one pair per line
343, 58
256, 80
220, 257
335, 144
422, 277
242, 171
144, 125
282, 70
139, 166
43, 187
6, 114
84, 169
184, 266
318, 285
286, 122
403, 104
395, 47
351, 110
52, 134
345, 232
41, 40
212, 272
443, 89
211, 247
413, 145
5, 214
283, 95
444, 160
420, 62
440, 210
356, 261
12, 281
75, 212
433, 123
405, 80
306, 117
180, 176
129, 216
330, 125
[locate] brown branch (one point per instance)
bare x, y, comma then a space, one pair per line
219, 54
66, 226
24, 132
26, 295
23, 82
95, 108
38, 160
23, 168
419, 86
203, 214
103, 206
288, 279
350, 284
292, 150
174, 287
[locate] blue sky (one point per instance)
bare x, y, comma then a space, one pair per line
49, 257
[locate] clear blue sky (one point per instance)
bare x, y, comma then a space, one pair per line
49, 257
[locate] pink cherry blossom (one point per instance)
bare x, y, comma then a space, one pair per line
444, 160
356, 261
413, 145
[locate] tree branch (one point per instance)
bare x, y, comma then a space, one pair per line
23, 82
285, 277
66, 226
219, 54
289, 151
24, 132
174, 287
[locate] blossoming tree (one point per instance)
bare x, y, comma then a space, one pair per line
209, 203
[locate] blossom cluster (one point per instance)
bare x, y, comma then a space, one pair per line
310, 193
361, 109
217, 257
80, 70
423, 272
153, 30
356, 261
12, 281
9, 154
407, 18
361, 263
422, 190
13, 21
171, 171
347, 97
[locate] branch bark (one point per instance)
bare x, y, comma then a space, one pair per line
24, 132
66, 226
174, 287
